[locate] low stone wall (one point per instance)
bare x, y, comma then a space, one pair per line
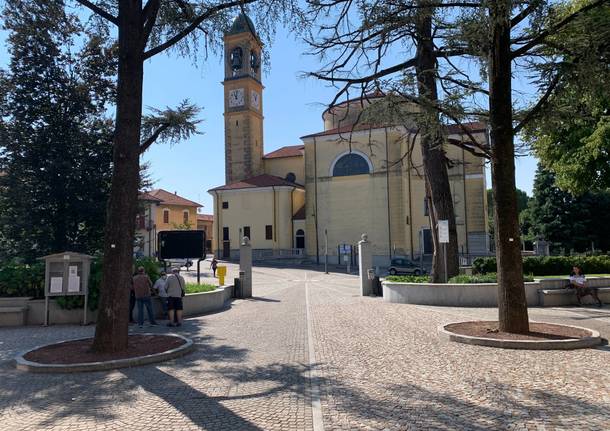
194, 304
543, 292
453, 295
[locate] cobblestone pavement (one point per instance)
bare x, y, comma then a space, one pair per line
377, 366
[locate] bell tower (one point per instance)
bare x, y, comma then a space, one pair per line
243, 92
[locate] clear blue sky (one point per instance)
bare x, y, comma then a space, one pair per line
292, 108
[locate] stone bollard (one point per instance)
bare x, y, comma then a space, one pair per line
365, 259
245, 266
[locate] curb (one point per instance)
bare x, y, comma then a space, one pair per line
35, 367
581, 343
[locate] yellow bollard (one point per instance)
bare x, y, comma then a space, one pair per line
221, 271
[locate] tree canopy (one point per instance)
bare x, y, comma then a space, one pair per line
55, 143
571, 135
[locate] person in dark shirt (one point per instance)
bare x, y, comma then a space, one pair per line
141, 287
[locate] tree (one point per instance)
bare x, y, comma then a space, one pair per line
146, 29
354, 56
496, 35
522, 204
55, 150
571, 136
568, 222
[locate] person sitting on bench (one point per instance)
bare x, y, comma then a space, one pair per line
579, 283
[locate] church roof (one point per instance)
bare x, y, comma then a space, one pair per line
242, 24
259, 181
168, 198
288, 151
452, 129
300, 214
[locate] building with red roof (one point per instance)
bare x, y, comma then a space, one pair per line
362, 173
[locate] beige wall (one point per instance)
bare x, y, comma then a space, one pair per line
281, 166
350, 206
257, 208
176, 214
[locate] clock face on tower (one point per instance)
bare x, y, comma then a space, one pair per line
255, 100
236, 97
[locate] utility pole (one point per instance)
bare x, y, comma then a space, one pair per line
326, 251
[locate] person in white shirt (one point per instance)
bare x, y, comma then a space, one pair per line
578, 281
160, 287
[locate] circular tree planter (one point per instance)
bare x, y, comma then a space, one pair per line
72, 356
542, 336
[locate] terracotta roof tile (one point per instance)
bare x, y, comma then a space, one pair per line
145, 196
264, 180
168, 198
477, 126
288, 151
205, 217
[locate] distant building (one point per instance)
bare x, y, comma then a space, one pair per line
348, 179
159, 211
205, 222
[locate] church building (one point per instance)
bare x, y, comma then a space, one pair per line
348, 179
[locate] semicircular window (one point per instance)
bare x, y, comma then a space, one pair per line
351, 164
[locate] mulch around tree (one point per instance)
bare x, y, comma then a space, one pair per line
538, 331
79, 351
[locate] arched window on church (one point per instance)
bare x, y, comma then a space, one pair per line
351, 164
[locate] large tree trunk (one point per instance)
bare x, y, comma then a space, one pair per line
512, 306
433, 154
112, 326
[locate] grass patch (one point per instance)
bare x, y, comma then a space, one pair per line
481, 278
198, 288
408, 278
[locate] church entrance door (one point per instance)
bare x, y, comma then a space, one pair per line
300, 238
226, 249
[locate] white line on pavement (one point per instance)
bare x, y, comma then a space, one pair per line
316, 406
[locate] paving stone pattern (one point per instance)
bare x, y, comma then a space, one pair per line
379, 366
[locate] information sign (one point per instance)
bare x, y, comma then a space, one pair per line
443, 231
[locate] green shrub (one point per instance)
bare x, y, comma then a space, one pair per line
18, 279
490, 277
198, 288
408, 278
549, 265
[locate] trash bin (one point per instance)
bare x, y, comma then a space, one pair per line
377, 290
236, 288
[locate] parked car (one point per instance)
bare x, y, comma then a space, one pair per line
186, 263
400, 265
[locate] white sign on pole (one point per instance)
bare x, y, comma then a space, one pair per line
443, 231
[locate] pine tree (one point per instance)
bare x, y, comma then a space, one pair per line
55, 143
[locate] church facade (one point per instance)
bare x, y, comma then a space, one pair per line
350, 178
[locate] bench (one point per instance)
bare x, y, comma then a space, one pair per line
555, 297
13, 316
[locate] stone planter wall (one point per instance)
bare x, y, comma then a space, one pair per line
453, 295
544, 292
194, 304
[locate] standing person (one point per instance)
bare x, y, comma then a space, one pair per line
578, 282
175, 292
132, 301
160, 287
141, 287
214, 265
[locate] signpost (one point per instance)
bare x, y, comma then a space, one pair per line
443, 238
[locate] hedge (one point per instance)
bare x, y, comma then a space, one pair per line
408, 278
549, 265
18, 279
490, 277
